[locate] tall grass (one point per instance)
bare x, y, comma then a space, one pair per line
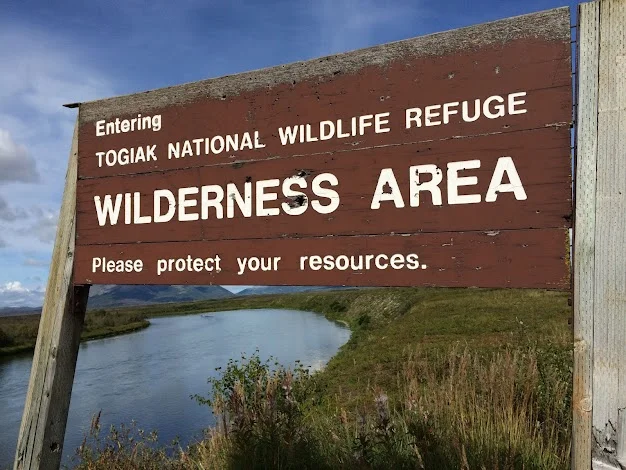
455, 408
262, 409
127, 447
495, 412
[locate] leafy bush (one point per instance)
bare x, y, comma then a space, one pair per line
261, 408
127, 448
400, 394
337, 307
5, 339
456, 408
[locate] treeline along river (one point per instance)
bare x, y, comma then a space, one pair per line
150, 375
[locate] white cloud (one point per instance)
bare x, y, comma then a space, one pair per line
44, 227
16, 164
14, 294
21, 226
44, 71
8, 213
13, 287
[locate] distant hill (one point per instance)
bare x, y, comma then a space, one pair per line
105, 296
121, 296
267, 290
16, 311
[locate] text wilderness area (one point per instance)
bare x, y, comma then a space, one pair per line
441, 160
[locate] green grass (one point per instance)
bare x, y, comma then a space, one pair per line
388, 321
18, 334
468, 378
394, 322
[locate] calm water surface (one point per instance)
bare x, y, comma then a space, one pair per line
149, 375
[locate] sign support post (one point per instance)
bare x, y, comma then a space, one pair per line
599, 400
40, 441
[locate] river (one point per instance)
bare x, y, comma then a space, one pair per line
150, 375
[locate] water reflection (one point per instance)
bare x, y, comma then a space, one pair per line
150, 375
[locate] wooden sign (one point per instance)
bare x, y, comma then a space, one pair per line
442, 160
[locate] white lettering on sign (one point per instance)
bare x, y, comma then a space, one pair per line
360, 262
138, 123
116, 265
189, 264
493, 107
106, 210
325, 193
387, 188
270, 197
325, 130
255, 263
126, 156
432, 185
194, 203
260, 199
214, 145
295, 208
455, 180
505, 165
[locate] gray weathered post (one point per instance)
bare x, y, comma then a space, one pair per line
600, 239
40, 441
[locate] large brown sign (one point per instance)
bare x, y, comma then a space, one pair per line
441, 160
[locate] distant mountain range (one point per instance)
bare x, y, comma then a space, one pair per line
16, 311
106, 296
267, 290
122, 296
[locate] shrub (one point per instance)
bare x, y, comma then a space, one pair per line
337, 307
5, 339
487, 411
458, 408
127, 448
455, 408
260, 407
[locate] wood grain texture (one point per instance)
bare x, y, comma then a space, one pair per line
584, 233
541, 69
609, 375
42, 431
551, 25
541, 158
529, 54
515, 258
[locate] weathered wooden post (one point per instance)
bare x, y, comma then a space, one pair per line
40, 441
600, 239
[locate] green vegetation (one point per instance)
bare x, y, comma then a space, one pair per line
18, 334
431, 378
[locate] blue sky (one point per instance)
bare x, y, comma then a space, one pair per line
53, 52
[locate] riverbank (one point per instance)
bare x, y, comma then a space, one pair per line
348, 307
418, 361
19, 333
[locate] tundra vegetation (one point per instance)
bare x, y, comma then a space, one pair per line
431, 378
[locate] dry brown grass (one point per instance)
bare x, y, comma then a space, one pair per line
497, 411
431, 378
456, 409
